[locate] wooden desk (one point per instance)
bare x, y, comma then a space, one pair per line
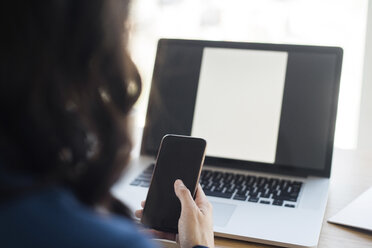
351, 176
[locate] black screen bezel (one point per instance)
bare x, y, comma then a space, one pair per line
250, 165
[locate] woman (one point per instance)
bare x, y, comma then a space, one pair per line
67, 85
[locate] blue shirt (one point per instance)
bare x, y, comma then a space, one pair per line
55, 218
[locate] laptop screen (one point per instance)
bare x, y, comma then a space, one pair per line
255, 104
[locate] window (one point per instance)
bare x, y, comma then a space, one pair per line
313, 22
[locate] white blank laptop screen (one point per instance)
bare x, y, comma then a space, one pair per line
251, 84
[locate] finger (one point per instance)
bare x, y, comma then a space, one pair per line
158, 234
183, 194
200, 195
201, 200
200, 192
162, 235
143, 204
138, 213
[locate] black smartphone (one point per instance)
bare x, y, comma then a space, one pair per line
179, 157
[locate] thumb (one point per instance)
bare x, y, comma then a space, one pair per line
183, 194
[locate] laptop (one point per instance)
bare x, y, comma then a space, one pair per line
268, 113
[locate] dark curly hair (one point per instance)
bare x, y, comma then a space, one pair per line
67, 86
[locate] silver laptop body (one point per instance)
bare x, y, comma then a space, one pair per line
268, 112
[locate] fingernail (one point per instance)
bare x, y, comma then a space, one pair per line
179, 182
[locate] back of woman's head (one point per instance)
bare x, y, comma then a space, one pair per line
66, 87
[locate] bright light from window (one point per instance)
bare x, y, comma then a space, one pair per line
314, 22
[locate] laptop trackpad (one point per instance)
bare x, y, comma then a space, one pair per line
222, 213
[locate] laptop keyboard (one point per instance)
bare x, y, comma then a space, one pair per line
144, 179
264, 190
240, 187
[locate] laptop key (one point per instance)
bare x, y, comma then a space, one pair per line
265, 195
253, 199
298, 184
264, 202
218, 189
253, 194
135, 183
278, 202
218, 194
285, 198
289, 205
230, 190
207, 187
240, 197
145, 177
145, 184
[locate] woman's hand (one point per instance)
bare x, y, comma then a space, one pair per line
195, 226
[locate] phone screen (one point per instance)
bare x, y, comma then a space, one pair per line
179, 157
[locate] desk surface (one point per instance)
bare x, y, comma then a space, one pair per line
351, 176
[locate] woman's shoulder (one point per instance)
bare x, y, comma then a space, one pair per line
54, 218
